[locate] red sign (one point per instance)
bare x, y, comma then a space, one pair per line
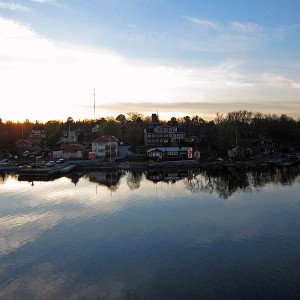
92, 155
190, 152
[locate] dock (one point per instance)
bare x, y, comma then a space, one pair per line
44, 173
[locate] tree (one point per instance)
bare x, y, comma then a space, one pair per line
121, 119
110, 127
173, 121
135, 117
70, 120
226, 135
134, 134
219, 118
53, 129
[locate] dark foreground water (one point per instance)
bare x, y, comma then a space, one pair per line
146, 236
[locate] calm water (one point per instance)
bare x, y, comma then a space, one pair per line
151, 236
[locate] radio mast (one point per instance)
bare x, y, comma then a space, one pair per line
94, 102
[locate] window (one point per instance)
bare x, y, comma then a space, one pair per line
172, 153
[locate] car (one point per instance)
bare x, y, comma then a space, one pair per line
50, 163
60, 161
25, 154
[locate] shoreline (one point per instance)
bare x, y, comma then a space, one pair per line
185, 165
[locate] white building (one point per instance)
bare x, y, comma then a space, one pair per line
68, 137
105, 146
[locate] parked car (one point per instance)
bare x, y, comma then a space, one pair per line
25, 154
60, 161
50, 163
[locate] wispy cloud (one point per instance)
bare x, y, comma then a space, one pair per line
203, 23
246, 27
206, 109
228, 37
279, 81
13, 6
51, 2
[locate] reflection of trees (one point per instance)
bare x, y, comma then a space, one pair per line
74, 176
4, 177
226, 183
220, 182
133, 179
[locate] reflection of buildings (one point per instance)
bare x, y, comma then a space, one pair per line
167, 175
105, 178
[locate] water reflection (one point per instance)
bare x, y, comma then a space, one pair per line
62, 240
223, 183
109, 179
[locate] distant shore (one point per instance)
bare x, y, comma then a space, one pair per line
187, 164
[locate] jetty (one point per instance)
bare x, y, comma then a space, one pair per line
45, 173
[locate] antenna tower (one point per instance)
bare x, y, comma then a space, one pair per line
94, 103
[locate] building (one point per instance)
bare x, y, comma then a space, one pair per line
35, 141
38, 132
68, 137
163, 135
170, 153
73, 151
263, 146
30, 143
105, 146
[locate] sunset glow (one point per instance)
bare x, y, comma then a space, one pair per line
209, 63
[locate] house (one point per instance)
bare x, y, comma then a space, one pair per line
68, 137
105, 146
73, 150
163, 135
170, 153
38, 132
30, 143
263, 146
95, 128
239, 152
197, 154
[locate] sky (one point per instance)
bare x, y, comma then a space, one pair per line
171, 57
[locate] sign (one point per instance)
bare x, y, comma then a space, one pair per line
92, 155
190, 152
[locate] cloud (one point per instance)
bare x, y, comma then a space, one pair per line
65, 75
13, 6
279, 81
51, 2
44, 1
246, 27
205, 109
226, 38
203, 23
47, 79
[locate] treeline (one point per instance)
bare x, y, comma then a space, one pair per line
237, 127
